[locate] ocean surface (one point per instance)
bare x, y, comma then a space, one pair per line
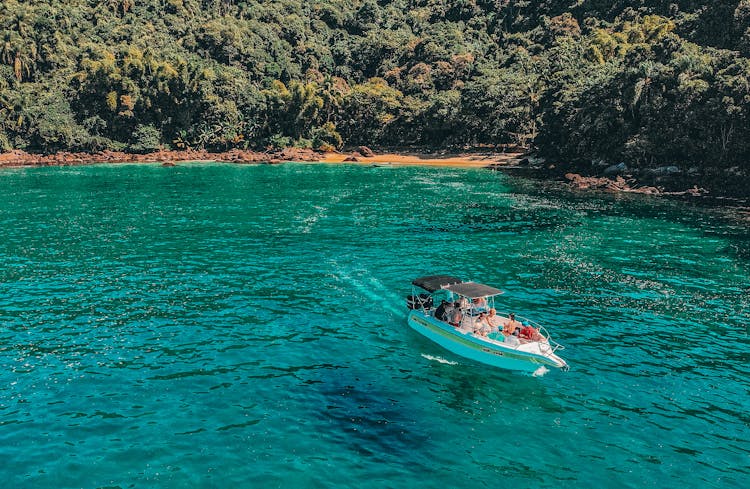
212, 325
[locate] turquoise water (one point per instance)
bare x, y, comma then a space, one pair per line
244, 326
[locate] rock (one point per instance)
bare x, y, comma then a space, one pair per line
581, 182
648, 190
365, 151
536, 162
296, 154
663, 171
168, 163
351, 158
616, 169
599, 163
618, 185
62, 158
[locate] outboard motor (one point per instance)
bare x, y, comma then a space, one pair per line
421, 301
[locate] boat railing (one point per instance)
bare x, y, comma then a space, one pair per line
419, 301
554, 345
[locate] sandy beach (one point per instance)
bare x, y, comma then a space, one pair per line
462, 160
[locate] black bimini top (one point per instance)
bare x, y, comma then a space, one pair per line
436, 282
473, 290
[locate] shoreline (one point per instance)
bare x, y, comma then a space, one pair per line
19, 159
514, 161
453, 159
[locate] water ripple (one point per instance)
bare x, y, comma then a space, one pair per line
244, 325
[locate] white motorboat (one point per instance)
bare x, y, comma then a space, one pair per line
528, 347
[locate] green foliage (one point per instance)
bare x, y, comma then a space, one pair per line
655, 99
5, 144
326, 137
145, 138
369, 111
277, 141
647, 82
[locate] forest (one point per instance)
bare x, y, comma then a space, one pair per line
645, 83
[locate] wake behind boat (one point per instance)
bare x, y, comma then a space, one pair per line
466, 323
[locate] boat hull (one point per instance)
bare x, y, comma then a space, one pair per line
482, 350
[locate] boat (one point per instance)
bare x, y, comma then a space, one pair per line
527, 348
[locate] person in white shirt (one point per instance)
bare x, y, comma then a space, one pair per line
481, 325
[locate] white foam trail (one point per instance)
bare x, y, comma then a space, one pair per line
377, 284
309, 221
319, 213
540, 371
367, 291
438, 359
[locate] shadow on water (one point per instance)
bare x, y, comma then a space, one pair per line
713, 217
372, 422
510, 220
514, 222
476, 390
480, 391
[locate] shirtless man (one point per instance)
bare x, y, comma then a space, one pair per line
510, 326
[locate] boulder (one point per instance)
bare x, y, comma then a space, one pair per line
535, 162
616, 169
365, 151
599, 163
296, 154
664, 171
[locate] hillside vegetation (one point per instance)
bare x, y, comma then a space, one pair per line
645, 82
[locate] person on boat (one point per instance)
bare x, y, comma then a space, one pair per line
440, 312
481, 325
455, 315
530, 333
463, 303
511, 326
512, 341
493, 319
479, 304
